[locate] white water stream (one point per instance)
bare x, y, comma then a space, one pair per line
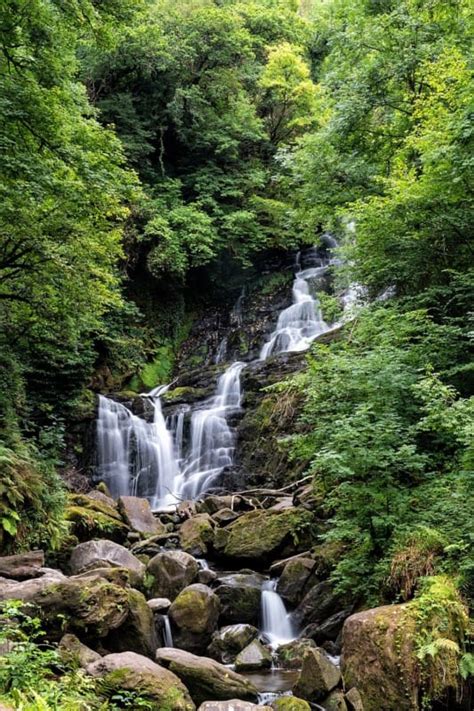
277, 625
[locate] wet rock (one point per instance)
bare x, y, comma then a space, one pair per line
194, 613
72, 651
253, 657
106, 554
172, 571
329, 629
197, 534
137, 633
318, 604
239, 539
224, 517
132, 672
379, 660
240, 595
318, 676
205, 677
22, 566
137, 513
229, 641
294, 577
354, 700
159, 605
232, 705
334, 702
290, 703
290, 655
206, 576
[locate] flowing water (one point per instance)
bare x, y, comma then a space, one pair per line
277, 625
167, 634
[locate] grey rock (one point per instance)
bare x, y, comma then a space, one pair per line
106, 554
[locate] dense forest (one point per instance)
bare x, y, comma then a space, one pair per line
158, 155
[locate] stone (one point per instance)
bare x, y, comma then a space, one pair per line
205, 677
213, 503
318, 604
206, 576
232, 705
197, 534
72, 650
274, 532
239, 594
293, 579
290, 703
334, 702
80, 605
137, 633
224, 516
132, 672
379, 660
194, 614
290, 655
22, 566
253, 657
230, 640
92, 517
97, 495
159, 605
137, 514
117, 576
172, 572
329, 629
318, 676
27, 590
354, 700
103, 554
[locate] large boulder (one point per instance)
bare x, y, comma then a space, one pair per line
239, 594
91, 607
137, 513
329, 630
319, 603
275, 530
194, 615
205, 678
378, 658
106, 554
137, 633
22, 566
294, 578
172, 571
197, 534
230, 640
290, 655
318, 676
253, 657
132, 672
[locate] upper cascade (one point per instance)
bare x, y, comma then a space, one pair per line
180, 457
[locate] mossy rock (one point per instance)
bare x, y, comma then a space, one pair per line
196, 534
185, 394
87, 523
263, 534
290, 703
137, 633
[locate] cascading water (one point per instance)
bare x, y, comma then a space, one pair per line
299, 324
277, 625
147, 459
166, 632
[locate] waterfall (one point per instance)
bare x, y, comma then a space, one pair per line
277, 626
299, 324
167, 634
147, 459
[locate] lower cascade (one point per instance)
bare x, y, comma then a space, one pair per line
277, 625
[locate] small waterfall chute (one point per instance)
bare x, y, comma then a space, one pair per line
277, 625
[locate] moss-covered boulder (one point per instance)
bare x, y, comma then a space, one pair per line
239, 595
290, 703
73, 652
128, 671
263, 534
290, 655
137, 633
230, 640
294, 579
335, 701
205, 678
92, 517
194, 615
197, 534
171, 572
318, 676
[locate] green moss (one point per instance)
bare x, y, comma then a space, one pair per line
290, 703
185, 391
87, 523
156, 372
